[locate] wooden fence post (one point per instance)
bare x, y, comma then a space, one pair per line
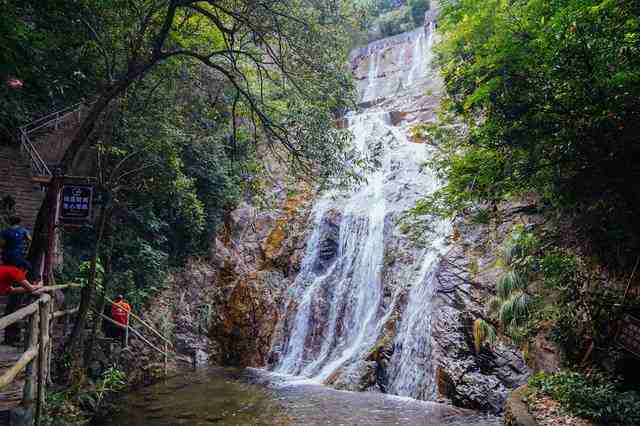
29, 391
42, 355
50, 345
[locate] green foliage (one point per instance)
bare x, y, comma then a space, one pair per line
77, 406
385, 18
546, 93
558, 269
513, 304
112, 380
43, 45
418, 9
483, 332
395, 22
470, 174
595, 396
481, 217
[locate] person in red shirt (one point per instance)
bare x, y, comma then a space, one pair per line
12, 275
120, 314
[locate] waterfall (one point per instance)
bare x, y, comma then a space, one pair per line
417, 59
344, 298
372, 75
353, 283
422, 53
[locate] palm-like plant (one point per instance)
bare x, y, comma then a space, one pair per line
483, 332
512, 304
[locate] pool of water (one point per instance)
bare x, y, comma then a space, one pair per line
219, 396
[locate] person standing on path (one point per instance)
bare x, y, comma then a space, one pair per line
11, 276
120, 314
15, 243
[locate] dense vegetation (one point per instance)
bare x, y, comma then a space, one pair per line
543, 98
191, 100
594, 396
42, 45
384, 18
548, 95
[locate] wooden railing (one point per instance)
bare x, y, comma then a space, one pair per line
39, 315
128, 328
36, 359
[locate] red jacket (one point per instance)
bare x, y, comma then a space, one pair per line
120, 312
10, 275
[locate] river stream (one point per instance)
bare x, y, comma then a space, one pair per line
221, 396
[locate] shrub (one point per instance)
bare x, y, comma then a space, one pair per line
395, 22
418, 9
595, 396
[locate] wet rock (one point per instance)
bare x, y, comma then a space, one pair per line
328, 244
246, 322
397, 117
466, 280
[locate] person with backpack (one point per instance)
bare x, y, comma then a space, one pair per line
15, 242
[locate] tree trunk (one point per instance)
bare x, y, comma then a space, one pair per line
86, 295
100, 304
80, 139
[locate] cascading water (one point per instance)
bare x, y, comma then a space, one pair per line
416, 66
346, 296
372, 75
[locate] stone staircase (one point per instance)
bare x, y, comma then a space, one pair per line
24, 169
16, 181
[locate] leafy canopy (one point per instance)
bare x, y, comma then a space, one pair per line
547, 94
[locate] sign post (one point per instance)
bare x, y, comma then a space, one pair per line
76, 204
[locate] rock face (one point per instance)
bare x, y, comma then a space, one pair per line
225, 312
465, 281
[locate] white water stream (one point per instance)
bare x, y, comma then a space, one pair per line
337, 312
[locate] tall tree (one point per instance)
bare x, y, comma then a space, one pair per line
281, 64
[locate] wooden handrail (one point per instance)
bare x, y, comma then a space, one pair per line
56, 287
23, 312
136, 332
58, 314
156, 332
40, 314
9, 376
18, 315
